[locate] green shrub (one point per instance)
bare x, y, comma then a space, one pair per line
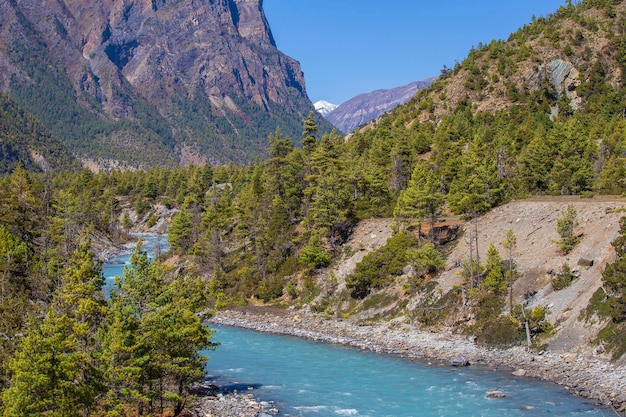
500, 331
270, 289
152, 220
314, 255
378, 268
566, 227
564, 278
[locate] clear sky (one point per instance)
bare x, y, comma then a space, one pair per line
349, 47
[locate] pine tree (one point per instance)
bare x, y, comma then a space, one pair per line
56, 371
309, 141
329, 191
423, 198
566, 227
154, 337
494, 275
180, 232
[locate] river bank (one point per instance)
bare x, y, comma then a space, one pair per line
231, 404
589, 377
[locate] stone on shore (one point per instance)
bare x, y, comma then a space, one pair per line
460, 361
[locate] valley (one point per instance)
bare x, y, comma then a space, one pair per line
482, 220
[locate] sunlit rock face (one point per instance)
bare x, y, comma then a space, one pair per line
219, 52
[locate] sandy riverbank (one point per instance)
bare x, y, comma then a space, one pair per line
589, 377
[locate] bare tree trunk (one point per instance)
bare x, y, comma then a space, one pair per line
471, 255
476, 238
526, 327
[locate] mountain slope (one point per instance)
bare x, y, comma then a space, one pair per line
143, 82
550, 59
365, 107
25, 141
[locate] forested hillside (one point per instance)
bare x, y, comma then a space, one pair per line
23, 140
539, 114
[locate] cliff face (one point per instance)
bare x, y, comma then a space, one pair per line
206, 71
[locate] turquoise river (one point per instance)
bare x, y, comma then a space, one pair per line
305, 378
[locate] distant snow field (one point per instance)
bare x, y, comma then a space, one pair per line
324, 107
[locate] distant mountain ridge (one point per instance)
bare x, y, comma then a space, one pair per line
139, 83
323, 107
368, 106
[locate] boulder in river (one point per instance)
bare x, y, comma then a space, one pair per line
460, 361
495, 394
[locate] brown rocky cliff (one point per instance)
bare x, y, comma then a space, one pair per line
221, 52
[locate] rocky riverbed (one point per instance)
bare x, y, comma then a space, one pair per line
590, 377
231, 405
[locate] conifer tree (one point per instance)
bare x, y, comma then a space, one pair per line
510, 243
423, 198
180, 232
309, 141
56, 371
494, 275
154, 338
331, 203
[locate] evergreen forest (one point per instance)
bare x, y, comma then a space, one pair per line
263, 233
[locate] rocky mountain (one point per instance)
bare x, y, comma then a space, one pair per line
366, 107
138, 82
323, 107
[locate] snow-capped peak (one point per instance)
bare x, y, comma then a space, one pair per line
323, 107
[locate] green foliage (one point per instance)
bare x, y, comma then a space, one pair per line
494, 279
613, 336
179, 233
21, 134
490, 326
500, 331
423, 198
153, 337
426, 260
566, 227
379, 267
313, 255
328, 194
609, 301
152, 220
494, 328
57, 370
126, 221
270, 289
564, 278
538, 322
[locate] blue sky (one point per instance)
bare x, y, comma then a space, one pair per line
349, 47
